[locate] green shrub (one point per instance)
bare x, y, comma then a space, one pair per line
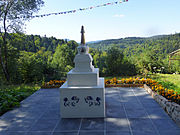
11, 96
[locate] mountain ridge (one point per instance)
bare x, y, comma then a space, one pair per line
136, 42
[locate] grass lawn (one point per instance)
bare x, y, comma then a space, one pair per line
171, 81
11, 96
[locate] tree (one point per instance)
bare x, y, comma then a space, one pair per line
31, 66
118, 64
63, 58
13, 14
114, 61
99, 62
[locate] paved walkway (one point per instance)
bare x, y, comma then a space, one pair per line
129, 111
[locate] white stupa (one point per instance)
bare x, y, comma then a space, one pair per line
82, 95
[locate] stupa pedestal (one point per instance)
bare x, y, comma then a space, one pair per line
83, 78
82, 102
83, 94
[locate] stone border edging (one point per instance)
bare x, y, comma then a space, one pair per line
172, 109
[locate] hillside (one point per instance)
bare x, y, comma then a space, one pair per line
34, 43
135, 45
130, 45
122, 43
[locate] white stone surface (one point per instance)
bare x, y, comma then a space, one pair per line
83, 78
82, 102
83, 63
83, 49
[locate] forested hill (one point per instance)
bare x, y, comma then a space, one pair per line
33, 43
122, 43
131, 45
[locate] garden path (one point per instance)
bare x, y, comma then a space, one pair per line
129, 111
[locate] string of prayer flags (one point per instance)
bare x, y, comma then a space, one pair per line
75, 10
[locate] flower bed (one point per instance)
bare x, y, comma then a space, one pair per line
128, 81
53, 84
124, 85
169, 94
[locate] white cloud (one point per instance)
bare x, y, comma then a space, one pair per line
119, 15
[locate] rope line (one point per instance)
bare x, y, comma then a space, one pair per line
76, 10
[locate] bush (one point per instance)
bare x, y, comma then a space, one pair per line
11, 96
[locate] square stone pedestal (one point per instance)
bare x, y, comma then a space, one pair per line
83, 78
82, 102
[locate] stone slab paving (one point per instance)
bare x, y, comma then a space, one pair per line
129, 111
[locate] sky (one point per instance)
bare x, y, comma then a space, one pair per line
135, 18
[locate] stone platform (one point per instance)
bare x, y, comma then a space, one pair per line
129, 111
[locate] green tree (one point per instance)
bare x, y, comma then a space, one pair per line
63, 59
114, 61
31, 67
149, 61
13, 14
99, 61
118, 64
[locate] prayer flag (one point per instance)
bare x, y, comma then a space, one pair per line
73, 11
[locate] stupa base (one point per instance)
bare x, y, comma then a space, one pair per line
82, 102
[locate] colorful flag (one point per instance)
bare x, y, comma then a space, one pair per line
73, 11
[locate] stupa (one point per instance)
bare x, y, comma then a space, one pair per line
83, 94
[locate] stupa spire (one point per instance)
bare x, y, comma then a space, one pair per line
82, 36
